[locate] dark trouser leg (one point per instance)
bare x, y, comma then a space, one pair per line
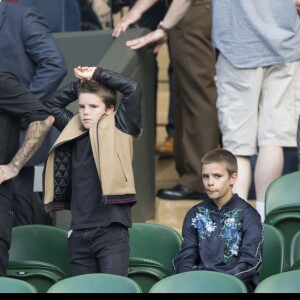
22, 191
102, 249
170, 125
114, 258
6, 219
196, 123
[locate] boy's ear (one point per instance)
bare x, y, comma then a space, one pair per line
233, 178
109, 110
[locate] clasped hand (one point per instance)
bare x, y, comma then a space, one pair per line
84, 73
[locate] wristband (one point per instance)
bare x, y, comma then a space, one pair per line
97, 71
162, 27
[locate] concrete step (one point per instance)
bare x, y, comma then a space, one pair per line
171, 213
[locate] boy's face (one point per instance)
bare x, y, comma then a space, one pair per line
217, 182
91, 108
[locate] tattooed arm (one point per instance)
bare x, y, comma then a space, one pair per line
35, 135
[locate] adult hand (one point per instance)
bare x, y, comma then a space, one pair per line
157, 36
131, 17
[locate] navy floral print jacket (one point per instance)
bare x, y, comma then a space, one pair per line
227, 240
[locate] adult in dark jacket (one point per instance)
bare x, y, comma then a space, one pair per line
28, 49
223, 233
16, 102
61, 15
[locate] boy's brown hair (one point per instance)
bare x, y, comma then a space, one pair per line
107, 95
220, 156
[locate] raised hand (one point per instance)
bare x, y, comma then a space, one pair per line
84, 72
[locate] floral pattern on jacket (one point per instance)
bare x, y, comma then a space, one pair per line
227, 239
230, 231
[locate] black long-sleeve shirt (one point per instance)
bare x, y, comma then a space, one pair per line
16, 102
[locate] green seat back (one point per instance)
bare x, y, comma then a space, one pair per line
286, 282
273, 252
295, 251
295, 266
146, 272
156, 242
95, 283
12, 285
288, 222
199, 282
283, 193
40, 274
42, 243
282, 208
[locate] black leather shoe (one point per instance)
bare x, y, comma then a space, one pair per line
180, 192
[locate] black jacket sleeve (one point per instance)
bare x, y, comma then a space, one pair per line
128, 116
44, 51
16, 100
188, 256
58, 102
